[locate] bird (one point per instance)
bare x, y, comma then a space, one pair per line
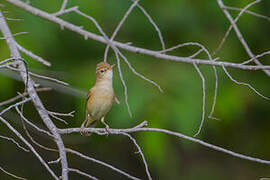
100, 97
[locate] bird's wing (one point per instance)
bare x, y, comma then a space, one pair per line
87, 98
89, 94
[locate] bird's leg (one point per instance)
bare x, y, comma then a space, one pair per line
107, 127
82, 126
82, 129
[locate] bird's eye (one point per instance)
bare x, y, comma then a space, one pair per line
102, 71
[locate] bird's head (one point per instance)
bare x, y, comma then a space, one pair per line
104, 71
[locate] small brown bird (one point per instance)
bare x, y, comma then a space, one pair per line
100, 97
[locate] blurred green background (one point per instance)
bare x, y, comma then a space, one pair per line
245, 117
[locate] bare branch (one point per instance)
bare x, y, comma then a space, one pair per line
64, 4
248, 12
15, 142
12, 175
14, 105
101, 163
42, 77
32, 55
234, 21
16, 34
153, 23
119, 26
70, 114
82, 173
14, 19
56, 133
256, 57
124, 46
59, 13
196, 53
56, 114
22, 95
138, 74
9, 64
202, 48
123, 83
246, 84
34, 97
203, 109
59, 119
29, 146
239, 35
6, 60
215, 97
102, 131
33, 125
141, 153
55, 161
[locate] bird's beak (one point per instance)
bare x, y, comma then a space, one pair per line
112, 66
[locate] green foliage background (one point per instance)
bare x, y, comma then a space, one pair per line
245, 117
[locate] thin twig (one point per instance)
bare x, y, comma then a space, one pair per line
101, 163
231, 26
22, 95
55, 161
42, 77
245, 84
28, 134
153, 23
15, 142
70, 114
48, 78
248, 12
141, 153
123, 83
238, 33
14, 105
64, 4
203, 109
138, 74
82, 173
16, 34
33, 125
256, 57
59, 13
14, 19
32, 55
29, 146
202, 48
12, 175
119, 26
59, 119
9, 64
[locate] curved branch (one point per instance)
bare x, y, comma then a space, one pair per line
157, 54
103, 131
30, 147
34, 97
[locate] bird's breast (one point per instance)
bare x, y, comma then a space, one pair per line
100, 101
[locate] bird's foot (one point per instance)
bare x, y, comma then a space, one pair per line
84, 133
107, 127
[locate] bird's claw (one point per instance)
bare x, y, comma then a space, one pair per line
107, 129
83, 132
